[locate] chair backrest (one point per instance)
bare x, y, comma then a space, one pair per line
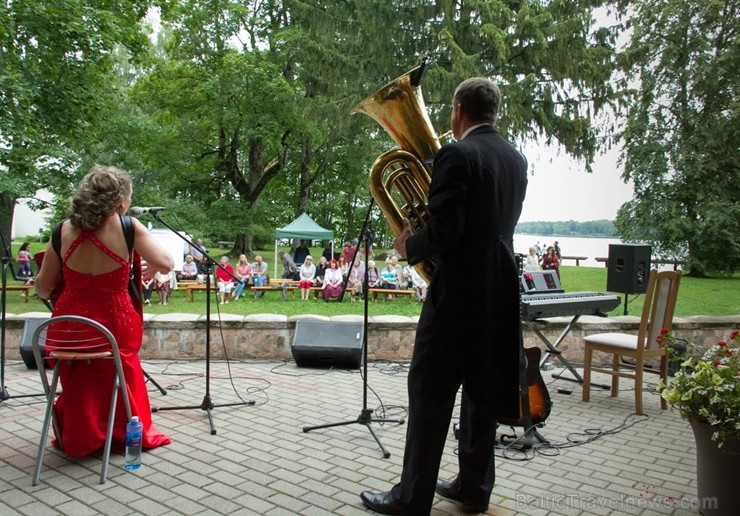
78, 335
660, 303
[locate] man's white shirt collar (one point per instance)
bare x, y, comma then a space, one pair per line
470, 129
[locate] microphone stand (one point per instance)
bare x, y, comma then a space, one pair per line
207, 403
7, 260
365, 417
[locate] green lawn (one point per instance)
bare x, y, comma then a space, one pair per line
697, 296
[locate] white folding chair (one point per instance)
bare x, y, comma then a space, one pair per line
76, 339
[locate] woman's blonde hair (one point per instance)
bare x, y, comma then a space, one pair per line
98, 195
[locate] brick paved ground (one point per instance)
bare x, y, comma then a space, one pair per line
260, 461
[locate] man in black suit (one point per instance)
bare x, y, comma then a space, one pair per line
468, 333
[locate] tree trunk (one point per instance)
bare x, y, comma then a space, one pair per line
7, 206
242, 245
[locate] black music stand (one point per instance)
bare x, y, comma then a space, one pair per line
207, 403
365, 417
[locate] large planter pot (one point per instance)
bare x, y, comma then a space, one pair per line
716, 473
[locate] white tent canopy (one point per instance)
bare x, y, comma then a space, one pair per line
304, 227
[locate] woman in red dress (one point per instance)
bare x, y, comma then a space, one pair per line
551, 261
95, 267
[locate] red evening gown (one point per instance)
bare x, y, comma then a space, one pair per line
82, 407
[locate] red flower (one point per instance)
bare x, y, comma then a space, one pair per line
722, 344
663, 331
734, 334
728, 353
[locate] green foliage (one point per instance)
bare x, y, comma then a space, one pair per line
682, 132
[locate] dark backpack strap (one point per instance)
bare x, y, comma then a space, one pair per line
56, 239
128, 232
134, 283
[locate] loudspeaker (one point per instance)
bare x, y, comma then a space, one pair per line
628, 268
541, 282
27, 342
328, 344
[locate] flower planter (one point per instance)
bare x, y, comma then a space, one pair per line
716, 469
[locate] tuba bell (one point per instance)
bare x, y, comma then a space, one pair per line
400, 178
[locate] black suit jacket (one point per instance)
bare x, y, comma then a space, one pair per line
475, 199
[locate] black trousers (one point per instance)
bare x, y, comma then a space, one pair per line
435, 377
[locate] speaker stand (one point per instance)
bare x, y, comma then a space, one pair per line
365, 417
625, 303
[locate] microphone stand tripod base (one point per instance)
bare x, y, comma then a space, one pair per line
365, 418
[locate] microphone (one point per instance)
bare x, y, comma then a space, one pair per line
136, 211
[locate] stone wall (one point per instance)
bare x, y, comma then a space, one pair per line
269, 336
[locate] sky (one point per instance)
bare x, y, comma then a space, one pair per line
559, 187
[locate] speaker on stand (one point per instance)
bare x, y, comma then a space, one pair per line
328, 344
628, 269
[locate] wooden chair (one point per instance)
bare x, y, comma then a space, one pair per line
657, 313
83, 339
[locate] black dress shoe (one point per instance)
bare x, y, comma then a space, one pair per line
451, 491
381, 502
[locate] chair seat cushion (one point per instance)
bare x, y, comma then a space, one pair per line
620, 340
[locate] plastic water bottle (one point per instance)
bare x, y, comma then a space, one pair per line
134, 431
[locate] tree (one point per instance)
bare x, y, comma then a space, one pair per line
55, 56
681, 135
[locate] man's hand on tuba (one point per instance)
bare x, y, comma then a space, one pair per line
399, 243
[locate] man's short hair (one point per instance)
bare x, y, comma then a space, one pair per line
480, 99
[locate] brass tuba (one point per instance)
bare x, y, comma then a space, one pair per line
400, 178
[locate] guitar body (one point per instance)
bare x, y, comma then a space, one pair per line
540, 403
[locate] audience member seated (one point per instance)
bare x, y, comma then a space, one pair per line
373, 275
259, 273
164, 283
343, 267
199, 257
406, 282
356, 277
320, 270
332, 281
243, 274
224, 279
532, 262
189, 269
418, 284
290, 271
301, 253
389, 276
147, 286
551, 261
307, 272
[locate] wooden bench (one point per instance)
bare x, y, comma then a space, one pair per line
576, 258
23, 288
392, 292
197, 286
225, 245
318, 291
275, 288
675, 263
602, 259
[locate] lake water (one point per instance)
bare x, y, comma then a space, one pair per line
569, 246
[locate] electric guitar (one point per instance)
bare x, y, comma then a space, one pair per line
539, 399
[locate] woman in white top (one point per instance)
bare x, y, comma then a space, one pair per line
307, 272
532, 262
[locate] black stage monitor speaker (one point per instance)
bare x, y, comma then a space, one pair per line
328, 344
628, 268
541, 282
27, 342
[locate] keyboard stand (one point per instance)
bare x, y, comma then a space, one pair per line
552, 349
